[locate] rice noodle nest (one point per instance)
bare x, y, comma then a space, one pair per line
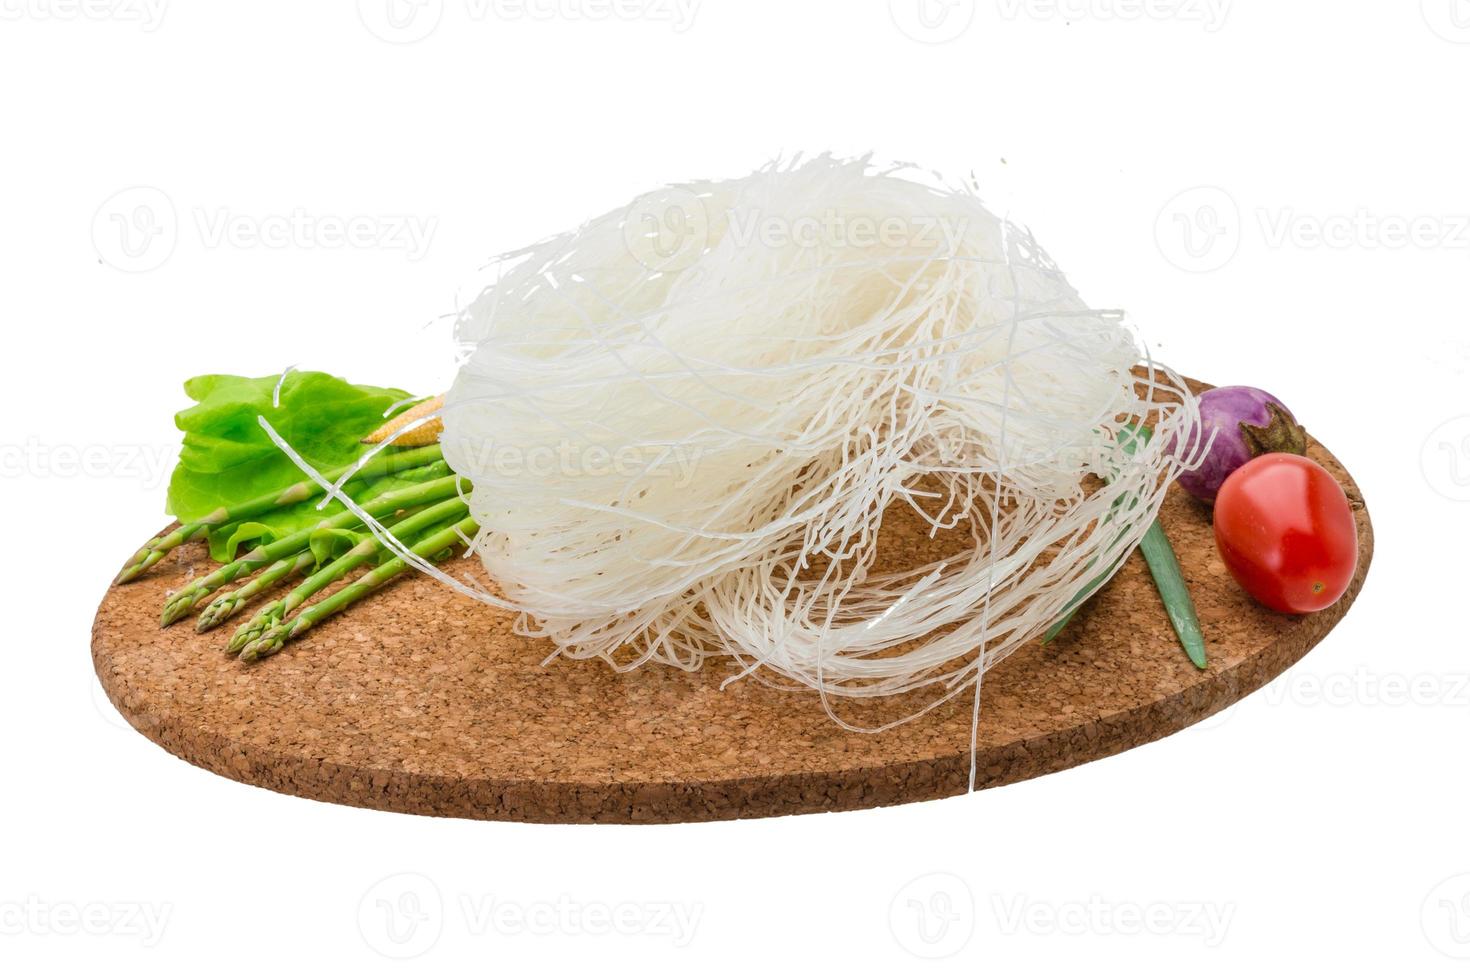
686, 420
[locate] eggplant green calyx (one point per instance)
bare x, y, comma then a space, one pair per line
1283, 434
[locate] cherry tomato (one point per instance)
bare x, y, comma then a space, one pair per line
1286, 532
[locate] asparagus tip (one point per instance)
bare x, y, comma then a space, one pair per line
266, 644
216, 613
179, 606
137, 568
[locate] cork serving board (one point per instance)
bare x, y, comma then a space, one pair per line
422, 701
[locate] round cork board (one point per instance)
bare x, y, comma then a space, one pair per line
423, 701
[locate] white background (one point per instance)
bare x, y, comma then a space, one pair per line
1317, 827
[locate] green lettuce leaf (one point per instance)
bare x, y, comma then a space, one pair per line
248, 531
330, 543
227, 458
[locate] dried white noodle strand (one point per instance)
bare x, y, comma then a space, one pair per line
726, 431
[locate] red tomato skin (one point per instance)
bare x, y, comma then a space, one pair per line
1286, 532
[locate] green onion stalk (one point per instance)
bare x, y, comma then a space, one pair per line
1168, 577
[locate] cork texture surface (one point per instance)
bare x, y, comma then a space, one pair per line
422, 701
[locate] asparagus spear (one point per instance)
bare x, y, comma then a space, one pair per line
142, 553
274, 613
154, 551
430, 547
181, 603
226, 605
148, 555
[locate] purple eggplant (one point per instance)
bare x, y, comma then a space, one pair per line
1247, 422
